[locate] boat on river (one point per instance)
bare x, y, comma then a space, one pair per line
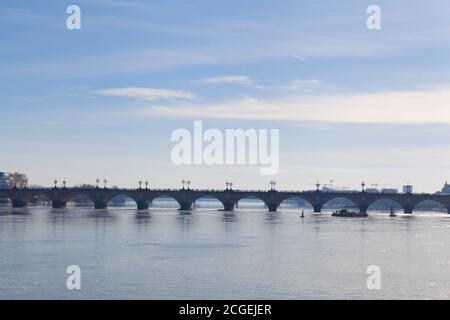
348, 213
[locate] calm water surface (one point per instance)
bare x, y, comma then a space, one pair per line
209, 254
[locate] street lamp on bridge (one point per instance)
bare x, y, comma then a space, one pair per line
188, 183
98, 181
146, 184
56, 183
317, 186
363, 186
272, 185
64, 183
140, 184
104, 183
183, 182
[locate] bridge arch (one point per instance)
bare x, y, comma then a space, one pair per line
257, 201
16, 199
122, 200
39, 197
339, 202
165, 201
430, 205
81, 199
295, 202
384, 204
214, 202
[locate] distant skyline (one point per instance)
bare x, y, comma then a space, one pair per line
351, 104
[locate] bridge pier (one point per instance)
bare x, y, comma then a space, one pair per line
142, 205
363, 208
19, 203
185, 206
57, 204
228, 206
408, 209
100, 204
317, 207
272, 207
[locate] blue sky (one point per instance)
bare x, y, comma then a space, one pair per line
351, 104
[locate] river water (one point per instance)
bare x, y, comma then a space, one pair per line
210, 254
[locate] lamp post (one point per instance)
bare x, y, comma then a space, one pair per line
98, 181
317, 186
188, 183
272, 185
183, 182
104, 183
231, 185
64, 183
146, 184
363, 185
56, 183
140, 184
227, 184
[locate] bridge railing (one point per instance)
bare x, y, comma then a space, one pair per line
81, 189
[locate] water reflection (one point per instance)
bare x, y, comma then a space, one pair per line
184, 220
228, 219
57, 217
272, 217
143, 220
103, 214
20, 211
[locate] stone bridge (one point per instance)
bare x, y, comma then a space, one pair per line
229, 198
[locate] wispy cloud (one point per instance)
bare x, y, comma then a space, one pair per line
147, 93
226, 79
299, 84
398, 107
296, 84
276, 38
295, 56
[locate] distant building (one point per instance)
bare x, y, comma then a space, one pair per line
3, 183
389, 191
11, 180
446, 188
408, 188
371, 190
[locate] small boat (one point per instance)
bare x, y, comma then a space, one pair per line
348, 213
392, 214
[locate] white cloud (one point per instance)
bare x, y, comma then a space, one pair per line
226, 79
146, 93
398, 107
